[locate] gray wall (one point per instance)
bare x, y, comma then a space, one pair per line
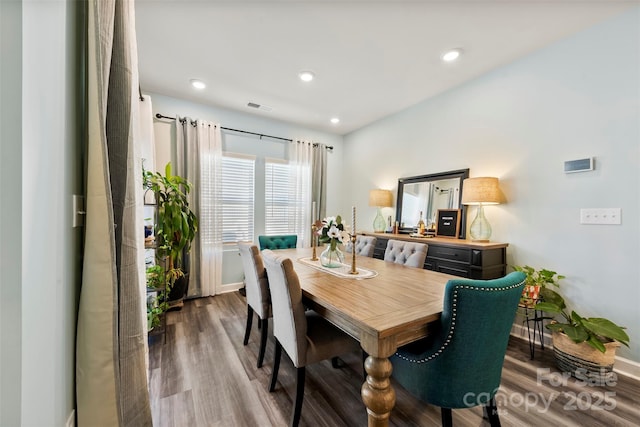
41, 160
577, 98
10, 212
164, 131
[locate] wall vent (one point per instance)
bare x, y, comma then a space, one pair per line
259, 106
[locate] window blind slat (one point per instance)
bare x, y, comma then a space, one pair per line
238, 178
280, 203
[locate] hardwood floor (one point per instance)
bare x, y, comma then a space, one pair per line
204, 376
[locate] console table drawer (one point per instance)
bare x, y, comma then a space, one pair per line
452, 268
453, 254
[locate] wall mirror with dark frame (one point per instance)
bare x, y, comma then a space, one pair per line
427, 194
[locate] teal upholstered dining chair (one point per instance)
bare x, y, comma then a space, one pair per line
305, 336
460, 365
285, 241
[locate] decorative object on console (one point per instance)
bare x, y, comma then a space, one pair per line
481, 191
421, 227
380, 199
448, 223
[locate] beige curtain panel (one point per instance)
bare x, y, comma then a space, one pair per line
111, 339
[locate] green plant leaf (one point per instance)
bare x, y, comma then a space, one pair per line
596, 343
556, 327
551, 296
575, 317
548, 307
577, 333
607, 329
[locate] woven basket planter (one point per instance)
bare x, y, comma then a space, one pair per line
583, 361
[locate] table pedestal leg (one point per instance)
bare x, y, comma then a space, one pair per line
377, 394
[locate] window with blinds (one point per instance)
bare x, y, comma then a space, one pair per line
238, 178
278, 198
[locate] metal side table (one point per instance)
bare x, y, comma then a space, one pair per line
531, 315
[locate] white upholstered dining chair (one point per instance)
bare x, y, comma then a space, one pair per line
258, 297
305, 336
364, 245
406, 253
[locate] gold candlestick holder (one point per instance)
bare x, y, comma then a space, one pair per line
353, 255
314, 229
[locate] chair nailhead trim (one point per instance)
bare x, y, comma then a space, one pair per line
453, 320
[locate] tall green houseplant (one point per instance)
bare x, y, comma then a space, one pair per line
176, 224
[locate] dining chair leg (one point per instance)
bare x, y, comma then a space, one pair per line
276, 366
247, 331
297, 409
446, 417
336, 362
491, 412
259, 323
263, 340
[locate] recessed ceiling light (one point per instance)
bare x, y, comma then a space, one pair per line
306, 76
451, 55
198, 84
335, 120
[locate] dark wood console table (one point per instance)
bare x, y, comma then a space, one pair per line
464, 258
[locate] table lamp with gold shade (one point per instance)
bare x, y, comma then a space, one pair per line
481, 191
380, 199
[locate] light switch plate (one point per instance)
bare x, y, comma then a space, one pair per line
610, 216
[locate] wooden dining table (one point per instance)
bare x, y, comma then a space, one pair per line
396, 306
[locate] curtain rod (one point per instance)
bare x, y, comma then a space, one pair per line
160, 116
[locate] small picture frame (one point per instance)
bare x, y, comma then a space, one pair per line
448, 223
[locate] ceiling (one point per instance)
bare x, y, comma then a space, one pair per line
371, 58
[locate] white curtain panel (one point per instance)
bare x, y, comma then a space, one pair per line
300, 160
319, 179
111, 375
199, 158
145, 154
210, 209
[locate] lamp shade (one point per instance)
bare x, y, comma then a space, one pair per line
482, 190
380, 198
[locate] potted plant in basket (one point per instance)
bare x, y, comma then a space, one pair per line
175, 227
584, 347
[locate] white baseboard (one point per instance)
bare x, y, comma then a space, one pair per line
622, 366
71, 420
230, 287
520, 331
627, 367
